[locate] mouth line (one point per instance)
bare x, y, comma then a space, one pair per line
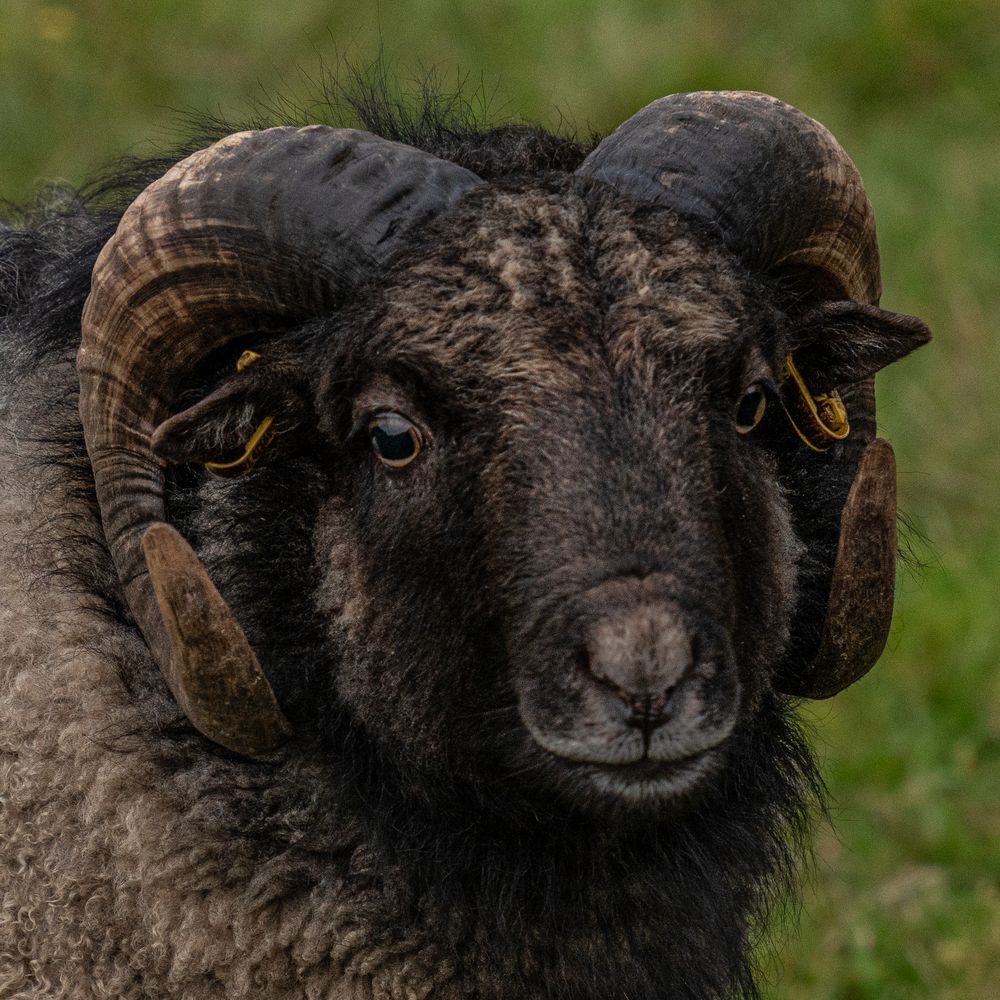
649, 783
646, 769
645, 781
642, 766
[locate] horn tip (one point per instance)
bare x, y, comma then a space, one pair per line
860, 604
212, 670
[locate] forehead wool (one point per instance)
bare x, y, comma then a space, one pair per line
544, 287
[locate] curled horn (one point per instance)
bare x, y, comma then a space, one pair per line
259, 230
784, 197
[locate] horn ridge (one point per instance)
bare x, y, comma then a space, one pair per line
775, 183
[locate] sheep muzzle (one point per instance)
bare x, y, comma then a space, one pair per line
650, 693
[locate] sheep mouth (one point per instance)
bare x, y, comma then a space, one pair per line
645, 782
649, 781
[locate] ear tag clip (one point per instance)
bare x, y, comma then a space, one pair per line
819, 420
257, 443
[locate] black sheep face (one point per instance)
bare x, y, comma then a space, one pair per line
571, 568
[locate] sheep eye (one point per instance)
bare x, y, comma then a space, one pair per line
750, 410
395, 440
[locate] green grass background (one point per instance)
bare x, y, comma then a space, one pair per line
905, 898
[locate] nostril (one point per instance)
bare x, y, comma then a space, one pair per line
647, 708
594, 670
641, 656
648, 713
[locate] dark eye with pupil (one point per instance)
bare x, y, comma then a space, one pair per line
395, 440
750, 410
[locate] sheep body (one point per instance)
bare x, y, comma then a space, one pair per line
139, 862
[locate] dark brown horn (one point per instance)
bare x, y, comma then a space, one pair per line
784, 197
859, 609
774, 183
259, 230
208, 663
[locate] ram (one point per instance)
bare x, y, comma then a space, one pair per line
413, 554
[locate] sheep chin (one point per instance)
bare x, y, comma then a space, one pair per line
637, 786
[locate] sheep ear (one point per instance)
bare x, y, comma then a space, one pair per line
843, 342
230, 430
859, 608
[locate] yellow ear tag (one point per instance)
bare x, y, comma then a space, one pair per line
818, 420
259, 440
246, 359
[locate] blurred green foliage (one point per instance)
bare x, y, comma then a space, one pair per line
904, 901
